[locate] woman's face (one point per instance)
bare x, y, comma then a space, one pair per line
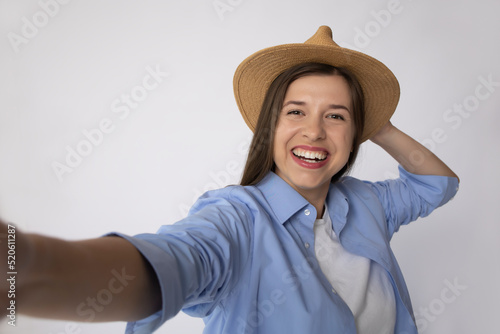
314, 133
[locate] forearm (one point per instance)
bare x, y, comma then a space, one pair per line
104, 279
413, 156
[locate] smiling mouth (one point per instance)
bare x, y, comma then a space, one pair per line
310, 156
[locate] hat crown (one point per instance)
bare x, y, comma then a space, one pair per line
323, 36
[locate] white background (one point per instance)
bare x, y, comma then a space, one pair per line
187, 135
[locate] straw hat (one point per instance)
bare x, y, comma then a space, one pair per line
256, 73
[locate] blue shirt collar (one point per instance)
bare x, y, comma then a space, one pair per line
282, 198
338, 206
286, 201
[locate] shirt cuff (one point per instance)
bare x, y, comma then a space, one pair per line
445, 187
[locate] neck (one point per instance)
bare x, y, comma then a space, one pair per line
317, 198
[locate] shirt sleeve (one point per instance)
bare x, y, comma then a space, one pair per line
412, 196
197, 260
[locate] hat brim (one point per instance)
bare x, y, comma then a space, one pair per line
256, 73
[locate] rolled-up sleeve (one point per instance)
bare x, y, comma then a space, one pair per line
196, 260
412, 196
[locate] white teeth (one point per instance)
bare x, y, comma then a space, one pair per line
309, 156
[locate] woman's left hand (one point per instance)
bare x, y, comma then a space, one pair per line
384, 132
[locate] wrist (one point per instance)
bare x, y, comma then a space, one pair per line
384, 135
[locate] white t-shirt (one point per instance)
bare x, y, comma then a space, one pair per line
363, 284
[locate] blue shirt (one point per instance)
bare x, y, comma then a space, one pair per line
244, 257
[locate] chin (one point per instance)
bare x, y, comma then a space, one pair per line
306, 184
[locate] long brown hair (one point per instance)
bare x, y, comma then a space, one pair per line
260, 155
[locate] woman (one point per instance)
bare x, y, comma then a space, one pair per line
297, 247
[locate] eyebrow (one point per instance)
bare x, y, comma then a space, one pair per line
302, 103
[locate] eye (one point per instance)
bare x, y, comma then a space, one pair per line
336, 116
294, 112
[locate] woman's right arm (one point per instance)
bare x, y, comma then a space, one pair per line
103, 279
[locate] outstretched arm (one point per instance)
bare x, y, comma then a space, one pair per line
104, 279
413, 156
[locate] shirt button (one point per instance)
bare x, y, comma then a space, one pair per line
307, 212
333, 290
307, 245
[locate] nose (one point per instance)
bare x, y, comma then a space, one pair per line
314, 129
